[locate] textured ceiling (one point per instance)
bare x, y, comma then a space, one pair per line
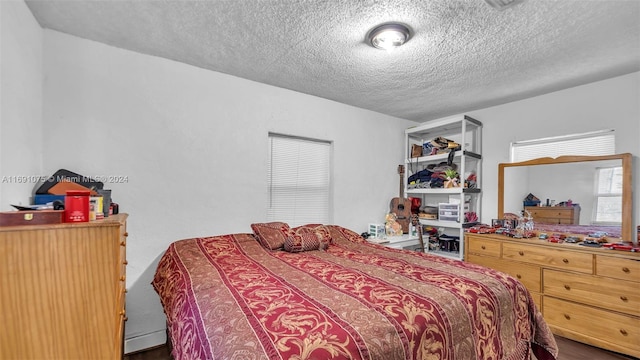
463, 55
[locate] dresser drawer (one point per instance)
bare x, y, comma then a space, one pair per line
549, 257
488, 261
619, 268
483, 247
544, 220
596, 326
529, 275
554, 215
619, 295
559, 214
551, 212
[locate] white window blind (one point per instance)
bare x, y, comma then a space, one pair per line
591, 143
299, 180
608, 204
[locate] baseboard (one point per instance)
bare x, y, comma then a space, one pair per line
145, 341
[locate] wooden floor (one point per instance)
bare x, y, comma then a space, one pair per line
569, 350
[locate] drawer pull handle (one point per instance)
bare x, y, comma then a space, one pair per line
567, 317
623, 332
625, 269
567, 287
521, 253
125, 262
122, 278
126, 318
519, 276
126, 234
483, 247
566, 261
623, 298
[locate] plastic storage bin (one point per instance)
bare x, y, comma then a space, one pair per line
449, 212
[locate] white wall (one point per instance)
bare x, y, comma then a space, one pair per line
609, 104
20, 103
193, 146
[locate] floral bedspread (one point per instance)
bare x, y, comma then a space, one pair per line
227, 297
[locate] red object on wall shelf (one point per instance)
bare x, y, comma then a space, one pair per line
76, 206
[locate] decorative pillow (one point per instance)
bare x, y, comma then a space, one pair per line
308, 237
271, 235
342, 233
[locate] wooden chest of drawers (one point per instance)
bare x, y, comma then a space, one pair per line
590, 295
63, 290
554, 214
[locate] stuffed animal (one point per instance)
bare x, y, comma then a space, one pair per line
392, 226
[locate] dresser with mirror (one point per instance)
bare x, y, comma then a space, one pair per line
589, 293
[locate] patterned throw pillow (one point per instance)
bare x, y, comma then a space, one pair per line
342, 233
271, 235
308, 237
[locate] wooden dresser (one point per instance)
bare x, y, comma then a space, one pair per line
554, 214
591, 295
63, 290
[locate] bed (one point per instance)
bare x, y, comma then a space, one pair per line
238, 296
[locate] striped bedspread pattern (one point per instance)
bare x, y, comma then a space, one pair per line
227, 297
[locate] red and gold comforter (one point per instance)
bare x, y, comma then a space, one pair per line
227, 297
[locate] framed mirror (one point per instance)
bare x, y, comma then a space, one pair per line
576, 194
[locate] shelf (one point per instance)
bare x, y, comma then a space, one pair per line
441, 223
443, 157
400, 242
452, 124
455, 255
455, 190
447, 224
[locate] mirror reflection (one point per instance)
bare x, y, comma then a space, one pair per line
572, 194
591, 190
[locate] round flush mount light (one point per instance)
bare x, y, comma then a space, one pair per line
388, 36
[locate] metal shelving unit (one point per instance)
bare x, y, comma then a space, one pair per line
467, 132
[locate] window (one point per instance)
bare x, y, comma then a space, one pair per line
591, 143
299, 180
608, 197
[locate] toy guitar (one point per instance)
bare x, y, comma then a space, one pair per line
401, 206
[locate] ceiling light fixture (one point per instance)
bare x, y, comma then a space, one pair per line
503, 4
388, 36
